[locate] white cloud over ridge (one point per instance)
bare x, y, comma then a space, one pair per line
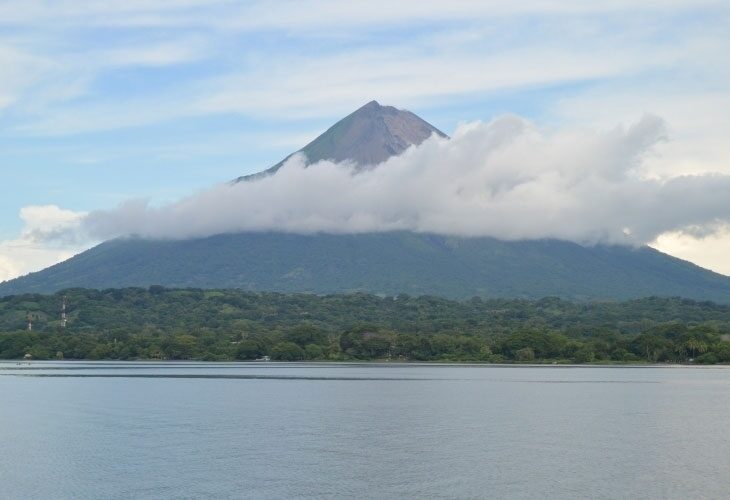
705, 250
49, 236
508, 179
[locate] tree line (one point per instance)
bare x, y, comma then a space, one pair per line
178, 324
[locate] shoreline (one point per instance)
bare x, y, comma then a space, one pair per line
378, 363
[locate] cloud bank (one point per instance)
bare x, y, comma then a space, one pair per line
507, 179
48, 236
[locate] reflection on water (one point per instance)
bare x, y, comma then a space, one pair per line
271, 430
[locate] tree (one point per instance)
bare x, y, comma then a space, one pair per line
695, 345
708, 358
722, 349
249, 349
306, 334
649, 345
313, 351
182, 347
525, 354
287, 351
584, 355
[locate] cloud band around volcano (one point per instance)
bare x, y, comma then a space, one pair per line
507, 179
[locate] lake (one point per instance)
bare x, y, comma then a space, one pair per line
88, 430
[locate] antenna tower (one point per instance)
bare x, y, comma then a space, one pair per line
64, 319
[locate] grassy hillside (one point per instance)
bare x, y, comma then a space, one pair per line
383, 263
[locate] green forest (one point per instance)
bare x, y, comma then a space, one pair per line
194, 324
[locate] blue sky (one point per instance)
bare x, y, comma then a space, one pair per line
103, 101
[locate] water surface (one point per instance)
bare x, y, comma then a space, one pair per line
274, 430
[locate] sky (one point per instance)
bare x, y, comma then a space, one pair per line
105, 103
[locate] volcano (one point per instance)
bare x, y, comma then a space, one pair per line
387, 263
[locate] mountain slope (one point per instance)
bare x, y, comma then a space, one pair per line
384, 263
368, 136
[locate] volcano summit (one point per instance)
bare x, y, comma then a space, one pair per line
366, 137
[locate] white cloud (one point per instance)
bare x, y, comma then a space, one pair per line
573, 42
699, 121
49, 222
8, 268
507, 179
151, 54
292, 87
316, 15
309, 14
20, 71
49, 236
710, 251
40, 80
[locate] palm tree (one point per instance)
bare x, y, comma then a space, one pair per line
682, 350
696, 345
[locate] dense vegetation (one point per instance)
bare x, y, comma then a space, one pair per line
382, 264
160, 323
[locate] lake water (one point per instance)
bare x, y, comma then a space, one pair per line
235, 430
